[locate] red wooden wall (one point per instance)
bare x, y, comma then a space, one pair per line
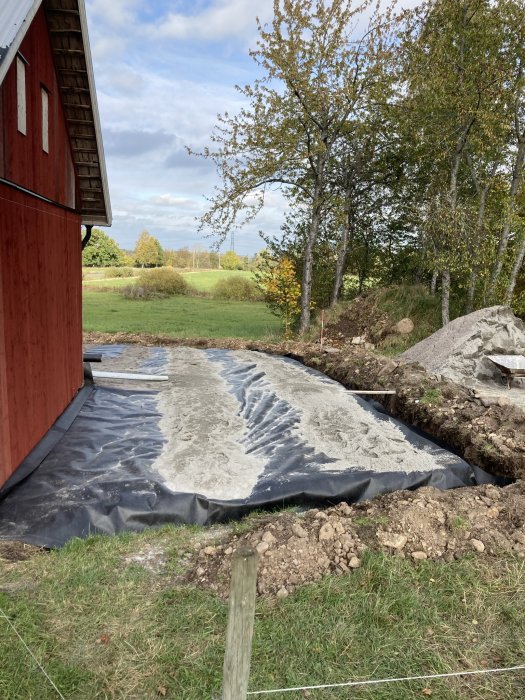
22, 158
40, 261
41, 349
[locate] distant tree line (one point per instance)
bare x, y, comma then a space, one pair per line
104, 251
398, 142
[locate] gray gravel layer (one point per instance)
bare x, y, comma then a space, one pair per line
458, 351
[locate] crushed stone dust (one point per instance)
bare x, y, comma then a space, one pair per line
205, 450
333, 422
200, 419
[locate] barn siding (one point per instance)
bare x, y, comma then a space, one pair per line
41, 345
22, 158
5, 440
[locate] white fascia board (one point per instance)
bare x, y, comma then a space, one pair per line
15, 44
96, 116
95, 221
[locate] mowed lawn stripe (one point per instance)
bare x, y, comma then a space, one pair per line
180, 316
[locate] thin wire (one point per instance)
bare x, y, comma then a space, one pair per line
2, 613
386, 680
40, 211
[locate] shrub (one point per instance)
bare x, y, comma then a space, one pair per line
110, 272
134, 291
163, 280
237, 289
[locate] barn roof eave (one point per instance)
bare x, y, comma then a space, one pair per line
68, 30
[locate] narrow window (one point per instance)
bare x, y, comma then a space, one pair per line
45, 120
21, 95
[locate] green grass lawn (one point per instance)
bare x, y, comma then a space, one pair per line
111, 282
205, 281
107, 628
202, 280
180, 316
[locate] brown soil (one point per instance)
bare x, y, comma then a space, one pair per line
18, 551
360, 319
487, 432
416, 525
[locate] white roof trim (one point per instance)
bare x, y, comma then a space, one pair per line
15, 44
8, 61
96, 116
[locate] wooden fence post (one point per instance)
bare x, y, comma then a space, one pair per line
241, 616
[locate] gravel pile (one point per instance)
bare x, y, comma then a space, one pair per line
458, 351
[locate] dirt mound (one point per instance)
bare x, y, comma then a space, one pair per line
425, 524
361, 319
458, 351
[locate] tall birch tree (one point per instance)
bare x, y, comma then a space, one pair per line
320, 60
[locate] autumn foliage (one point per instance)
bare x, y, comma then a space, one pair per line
282, 292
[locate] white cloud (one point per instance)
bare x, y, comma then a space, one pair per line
119, 13
223, 19
169, 200
106, 47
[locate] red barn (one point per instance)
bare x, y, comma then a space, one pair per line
52, 180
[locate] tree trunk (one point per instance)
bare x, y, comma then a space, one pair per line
445, 297
471, 292
518, 262
517, 174
482, 194
342, 253
452, 198
433, 282
340, 264
306, 284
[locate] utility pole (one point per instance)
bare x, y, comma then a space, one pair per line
232, 241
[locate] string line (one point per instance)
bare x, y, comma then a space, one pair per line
387, 680
11, 625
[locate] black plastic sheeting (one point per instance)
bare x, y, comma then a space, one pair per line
98, 477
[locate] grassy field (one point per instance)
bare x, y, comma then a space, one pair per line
111, 282
202, 280
105, 627
180, 316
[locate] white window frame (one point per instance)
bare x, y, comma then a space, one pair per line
21, 96
45, 118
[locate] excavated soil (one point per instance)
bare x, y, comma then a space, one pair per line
362, 320
416, 525
13, 551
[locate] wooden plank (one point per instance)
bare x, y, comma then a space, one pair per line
240, 625
378, 392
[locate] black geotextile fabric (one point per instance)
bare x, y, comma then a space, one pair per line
98, 477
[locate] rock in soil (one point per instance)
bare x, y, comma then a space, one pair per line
427, 524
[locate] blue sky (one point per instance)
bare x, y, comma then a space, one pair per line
164, 69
